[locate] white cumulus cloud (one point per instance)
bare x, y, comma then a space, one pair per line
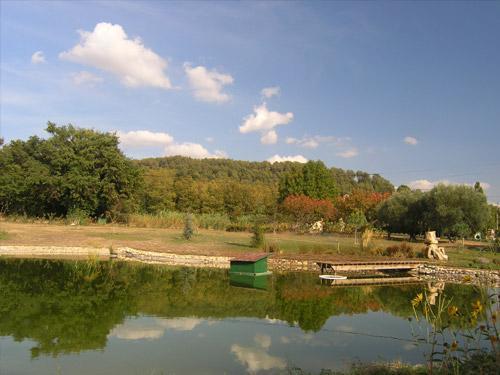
269, 92
144, 138
38, 58
85, 78
350, 153
264, 121
193, 150
278, 159
411, 140
109, 48
207, 85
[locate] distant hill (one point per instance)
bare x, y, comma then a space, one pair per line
259, 172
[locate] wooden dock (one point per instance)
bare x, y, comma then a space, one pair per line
393, 265
375, 281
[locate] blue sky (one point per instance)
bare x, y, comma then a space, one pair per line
410, 90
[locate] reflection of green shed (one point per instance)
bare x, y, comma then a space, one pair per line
248, 281
250, 264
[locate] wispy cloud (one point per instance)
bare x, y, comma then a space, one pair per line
85, 78
109, 48
315, 141
410, 140
269, 92
350, 153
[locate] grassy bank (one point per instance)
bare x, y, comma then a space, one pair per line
218, 242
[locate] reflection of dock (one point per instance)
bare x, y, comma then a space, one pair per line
395, 265
375, 281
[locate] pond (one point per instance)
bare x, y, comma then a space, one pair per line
67, 317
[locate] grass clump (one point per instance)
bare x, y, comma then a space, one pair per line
402, 250
3, 235
188, 227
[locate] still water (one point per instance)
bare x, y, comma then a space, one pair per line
64, 317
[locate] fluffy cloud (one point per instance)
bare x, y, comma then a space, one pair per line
428, 185
350, 153
152, 328
264, 121
38, 58
269, 92
269, 138
109, 48
315, 141
278, 159
144, 138
193, 150
85, 78
411, 140
207, 85
256, 358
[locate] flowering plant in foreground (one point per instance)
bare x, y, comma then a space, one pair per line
461, 339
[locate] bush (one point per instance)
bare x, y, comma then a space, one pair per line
213, 221
188, 227
77, 216
403, 250
258, 235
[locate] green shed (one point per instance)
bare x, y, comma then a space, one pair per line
250, 264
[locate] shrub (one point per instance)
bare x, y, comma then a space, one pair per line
188, 227
403, 250
258, 235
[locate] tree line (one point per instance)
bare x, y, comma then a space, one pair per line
83, 171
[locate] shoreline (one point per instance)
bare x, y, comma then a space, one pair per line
426, 271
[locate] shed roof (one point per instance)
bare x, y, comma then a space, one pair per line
250, 257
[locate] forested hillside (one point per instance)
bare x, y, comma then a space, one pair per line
260, 172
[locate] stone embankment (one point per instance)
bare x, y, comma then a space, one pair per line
426, 271
460, 275
129, 254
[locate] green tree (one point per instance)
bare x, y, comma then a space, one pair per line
456, 210
312, 179
402, 213
73, 170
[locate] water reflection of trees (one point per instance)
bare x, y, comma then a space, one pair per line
72, 306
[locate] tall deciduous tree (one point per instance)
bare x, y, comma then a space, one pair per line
74, 169
312, 179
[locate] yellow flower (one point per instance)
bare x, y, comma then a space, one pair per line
452, 310
417, 300
454, 346
477, 307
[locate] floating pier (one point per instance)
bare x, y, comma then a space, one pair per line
394, 265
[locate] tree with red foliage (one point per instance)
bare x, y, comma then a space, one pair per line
304, 209
360, 200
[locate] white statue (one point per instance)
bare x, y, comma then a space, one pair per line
317, 227
433, 251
